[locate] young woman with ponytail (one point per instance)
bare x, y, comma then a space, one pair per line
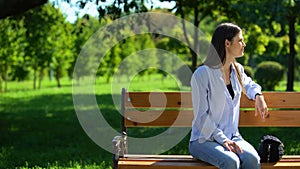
217, 87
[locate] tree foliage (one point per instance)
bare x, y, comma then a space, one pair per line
195, 11
42, 43
83, 29
276, 18
50, 42
12, 42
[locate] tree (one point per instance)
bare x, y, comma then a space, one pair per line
63, 48
110, 62
132, 60
84, 28
120, 8
256, 44
265, 13
37, 36
112, 9
12, 42
276, 50
260, 17
195, 11
49, 41
173, 46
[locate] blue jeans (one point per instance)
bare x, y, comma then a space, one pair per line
217, 155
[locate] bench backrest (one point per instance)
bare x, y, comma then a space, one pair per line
163, 109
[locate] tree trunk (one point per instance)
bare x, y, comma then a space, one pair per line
5, 84
196, 40
34, 78
5, 78
58, 78
291, 61
1, 83
193, 48
184, 30
41, 76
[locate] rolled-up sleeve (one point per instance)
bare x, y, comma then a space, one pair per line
251, 87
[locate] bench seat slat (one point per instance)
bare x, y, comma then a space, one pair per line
285, 158
165, 161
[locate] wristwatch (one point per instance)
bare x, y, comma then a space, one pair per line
259, 94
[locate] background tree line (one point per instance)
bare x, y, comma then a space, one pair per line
41, 43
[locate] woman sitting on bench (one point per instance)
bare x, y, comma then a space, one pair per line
217, 86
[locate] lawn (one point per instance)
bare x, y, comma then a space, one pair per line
40, 129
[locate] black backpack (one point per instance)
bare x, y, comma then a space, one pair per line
270, 149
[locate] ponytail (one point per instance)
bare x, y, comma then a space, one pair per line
239, 77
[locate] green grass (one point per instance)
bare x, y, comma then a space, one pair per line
40, 129
282, 86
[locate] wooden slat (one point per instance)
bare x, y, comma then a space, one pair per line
290, 158
276, 100
158, 165
188, 162
158, 99
179, 157
166, 118
278, 118
162, 165
154, 156
183, 100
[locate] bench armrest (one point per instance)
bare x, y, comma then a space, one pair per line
119, 145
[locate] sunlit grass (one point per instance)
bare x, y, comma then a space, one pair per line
282, 86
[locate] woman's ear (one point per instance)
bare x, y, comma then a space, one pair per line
227, 43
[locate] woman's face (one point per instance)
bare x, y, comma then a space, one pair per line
235, 48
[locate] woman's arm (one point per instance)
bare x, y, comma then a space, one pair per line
261, 106
253, 91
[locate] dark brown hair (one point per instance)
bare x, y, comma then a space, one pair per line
217, 54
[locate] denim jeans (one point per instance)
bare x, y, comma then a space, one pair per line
217, 155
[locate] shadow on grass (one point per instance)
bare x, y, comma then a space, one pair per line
44, 130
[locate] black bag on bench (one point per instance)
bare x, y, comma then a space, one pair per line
270, 149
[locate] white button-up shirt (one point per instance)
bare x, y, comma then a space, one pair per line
216, 114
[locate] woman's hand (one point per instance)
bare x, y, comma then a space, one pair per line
232, 146
261, 107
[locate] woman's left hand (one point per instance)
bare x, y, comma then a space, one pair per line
232, 146
261, 107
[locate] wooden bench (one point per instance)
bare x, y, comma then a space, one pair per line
284, 110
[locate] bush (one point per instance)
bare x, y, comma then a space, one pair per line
184, 74
249, 71
268, 74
